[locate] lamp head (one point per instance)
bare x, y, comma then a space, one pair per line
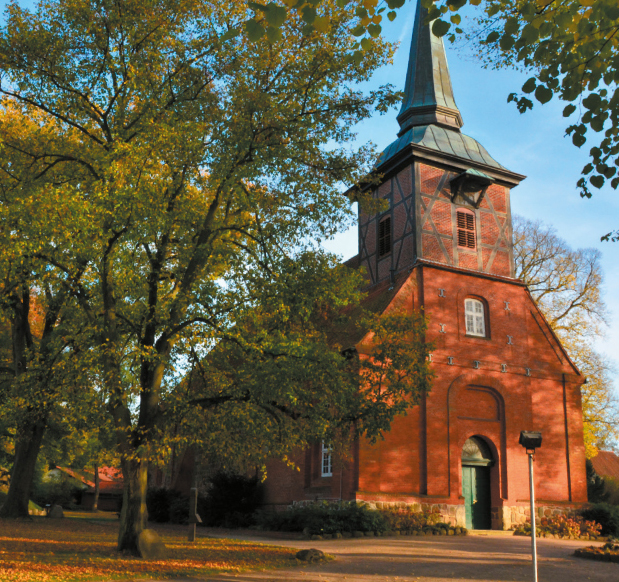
530, 440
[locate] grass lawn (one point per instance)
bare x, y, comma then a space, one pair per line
83, 547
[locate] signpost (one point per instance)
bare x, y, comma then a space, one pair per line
194, 518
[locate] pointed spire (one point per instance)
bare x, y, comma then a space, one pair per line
428, 96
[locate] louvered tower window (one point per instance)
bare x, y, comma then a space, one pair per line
474, 313
466, 229
384, 236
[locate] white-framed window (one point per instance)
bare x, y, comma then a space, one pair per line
327, 460
475, 317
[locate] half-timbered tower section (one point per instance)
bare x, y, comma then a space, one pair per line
444, 244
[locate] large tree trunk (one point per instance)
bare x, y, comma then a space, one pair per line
29, 437
133, 516
26, 453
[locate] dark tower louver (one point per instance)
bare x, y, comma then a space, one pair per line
428, 96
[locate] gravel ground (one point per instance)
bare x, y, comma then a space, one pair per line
481, 557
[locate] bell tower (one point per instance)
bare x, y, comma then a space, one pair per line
449, 200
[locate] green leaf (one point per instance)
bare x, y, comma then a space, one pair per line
492, 37
440, 27
587, 169
455, 5
275, 15
529, 34
578, 139
512, 25
455, 19
506, 42
366, 44
274, 34
543, 94
592, 101
232, 33
569, 109
597, 181
391, 15
254, 30
530, 85
395, 3
358, 31
597, 123
357, 57
342, 3
308, 14
374, 30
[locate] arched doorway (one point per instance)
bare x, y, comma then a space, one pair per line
476, 463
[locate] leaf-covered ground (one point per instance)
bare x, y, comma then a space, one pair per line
45, 550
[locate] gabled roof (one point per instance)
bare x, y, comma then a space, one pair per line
606, 464
377, 301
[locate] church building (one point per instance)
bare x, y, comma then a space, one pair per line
444, 246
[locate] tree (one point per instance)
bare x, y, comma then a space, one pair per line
571, 49
566, 285
203, 167
35, 299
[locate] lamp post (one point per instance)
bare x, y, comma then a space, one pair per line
532, 440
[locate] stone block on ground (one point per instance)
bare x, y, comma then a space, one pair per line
312, 555
150, 545
55, 512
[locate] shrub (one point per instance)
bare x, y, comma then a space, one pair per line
562, 526
405, 519
231, 500
606, 515
60, 490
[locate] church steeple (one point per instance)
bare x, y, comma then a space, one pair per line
428, 96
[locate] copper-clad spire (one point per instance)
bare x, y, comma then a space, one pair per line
428, 96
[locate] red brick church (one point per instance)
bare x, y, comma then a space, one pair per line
444, 245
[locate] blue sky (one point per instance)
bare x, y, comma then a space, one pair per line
533, 144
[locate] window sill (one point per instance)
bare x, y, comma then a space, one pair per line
478, 337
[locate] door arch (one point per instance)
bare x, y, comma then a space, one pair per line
476, 462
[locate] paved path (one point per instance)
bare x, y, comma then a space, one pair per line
491, 557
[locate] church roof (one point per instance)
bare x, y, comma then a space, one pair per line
444, 141
606, 464
428, 96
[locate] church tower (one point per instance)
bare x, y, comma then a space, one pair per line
444, 245
448, 198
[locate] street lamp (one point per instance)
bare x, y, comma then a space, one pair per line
531, 440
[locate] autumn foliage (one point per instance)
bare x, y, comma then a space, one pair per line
47, 550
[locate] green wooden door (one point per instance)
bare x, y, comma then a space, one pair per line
476, 493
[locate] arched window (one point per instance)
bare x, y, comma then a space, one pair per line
465, 220
475, 316
476, 452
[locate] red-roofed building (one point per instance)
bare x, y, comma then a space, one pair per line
444, 246
606, 464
